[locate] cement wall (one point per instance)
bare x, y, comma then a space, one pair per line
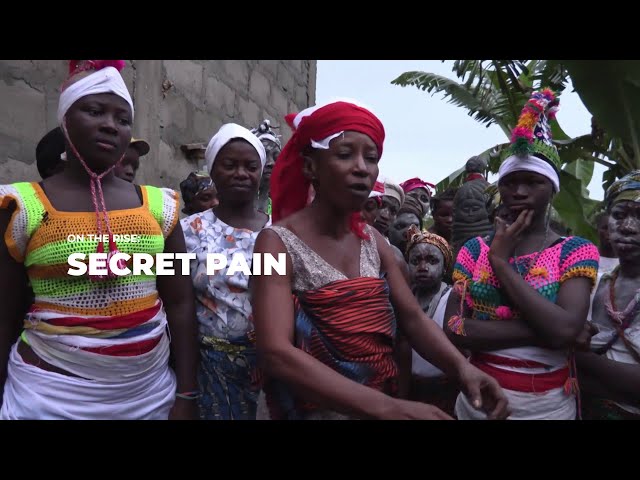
177, 102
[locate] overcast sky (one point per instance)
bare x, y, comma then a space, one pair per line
426, 136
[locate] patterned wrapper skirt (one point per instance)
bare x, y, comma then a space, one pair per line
228, 380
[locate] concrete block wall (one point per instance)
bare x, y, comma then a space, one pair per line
177, 102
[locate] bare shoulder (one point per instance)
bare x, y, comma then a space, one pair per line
299, 224
268, 241
294, 221
123, 187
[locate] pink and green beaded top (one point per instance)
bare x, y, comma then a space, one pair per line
568, 258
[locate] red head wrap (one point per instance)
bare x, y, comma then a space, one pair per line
289, 186
414, 183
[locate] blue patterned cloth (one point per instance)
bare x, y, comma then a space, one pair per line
228, 384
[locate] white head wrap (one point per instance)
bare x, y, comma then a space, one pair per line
227, 133
529, 164
106, 80
392, 189
271, 138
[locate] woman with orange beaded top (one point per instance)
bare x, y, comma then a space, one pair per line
93, 347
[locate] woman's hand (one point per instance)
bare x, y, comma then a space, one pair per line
583, 342
484, 392
508, 236
407, 410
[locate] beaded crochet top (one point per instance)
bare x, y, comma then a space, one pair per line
569, 257
39, 236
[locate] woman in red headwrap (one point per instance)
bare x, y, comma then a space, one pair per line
327, 350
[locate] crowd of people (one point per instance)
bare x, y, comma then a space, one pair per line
398, 301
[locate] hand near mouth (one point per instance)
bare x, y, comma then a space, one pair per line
507, 236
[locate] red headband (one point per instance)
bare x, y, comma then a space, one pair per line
414, 183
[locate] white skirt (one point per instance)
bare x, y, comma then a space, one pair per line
31, 393
552, 405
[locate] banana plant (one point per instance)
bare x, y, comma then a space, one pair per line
494, 92
610, 89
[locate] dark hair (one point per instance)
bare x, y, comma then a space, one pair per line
194, 184
48, 151
446, 196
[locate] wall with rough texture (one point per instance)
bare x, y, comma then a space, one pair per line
177, 102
